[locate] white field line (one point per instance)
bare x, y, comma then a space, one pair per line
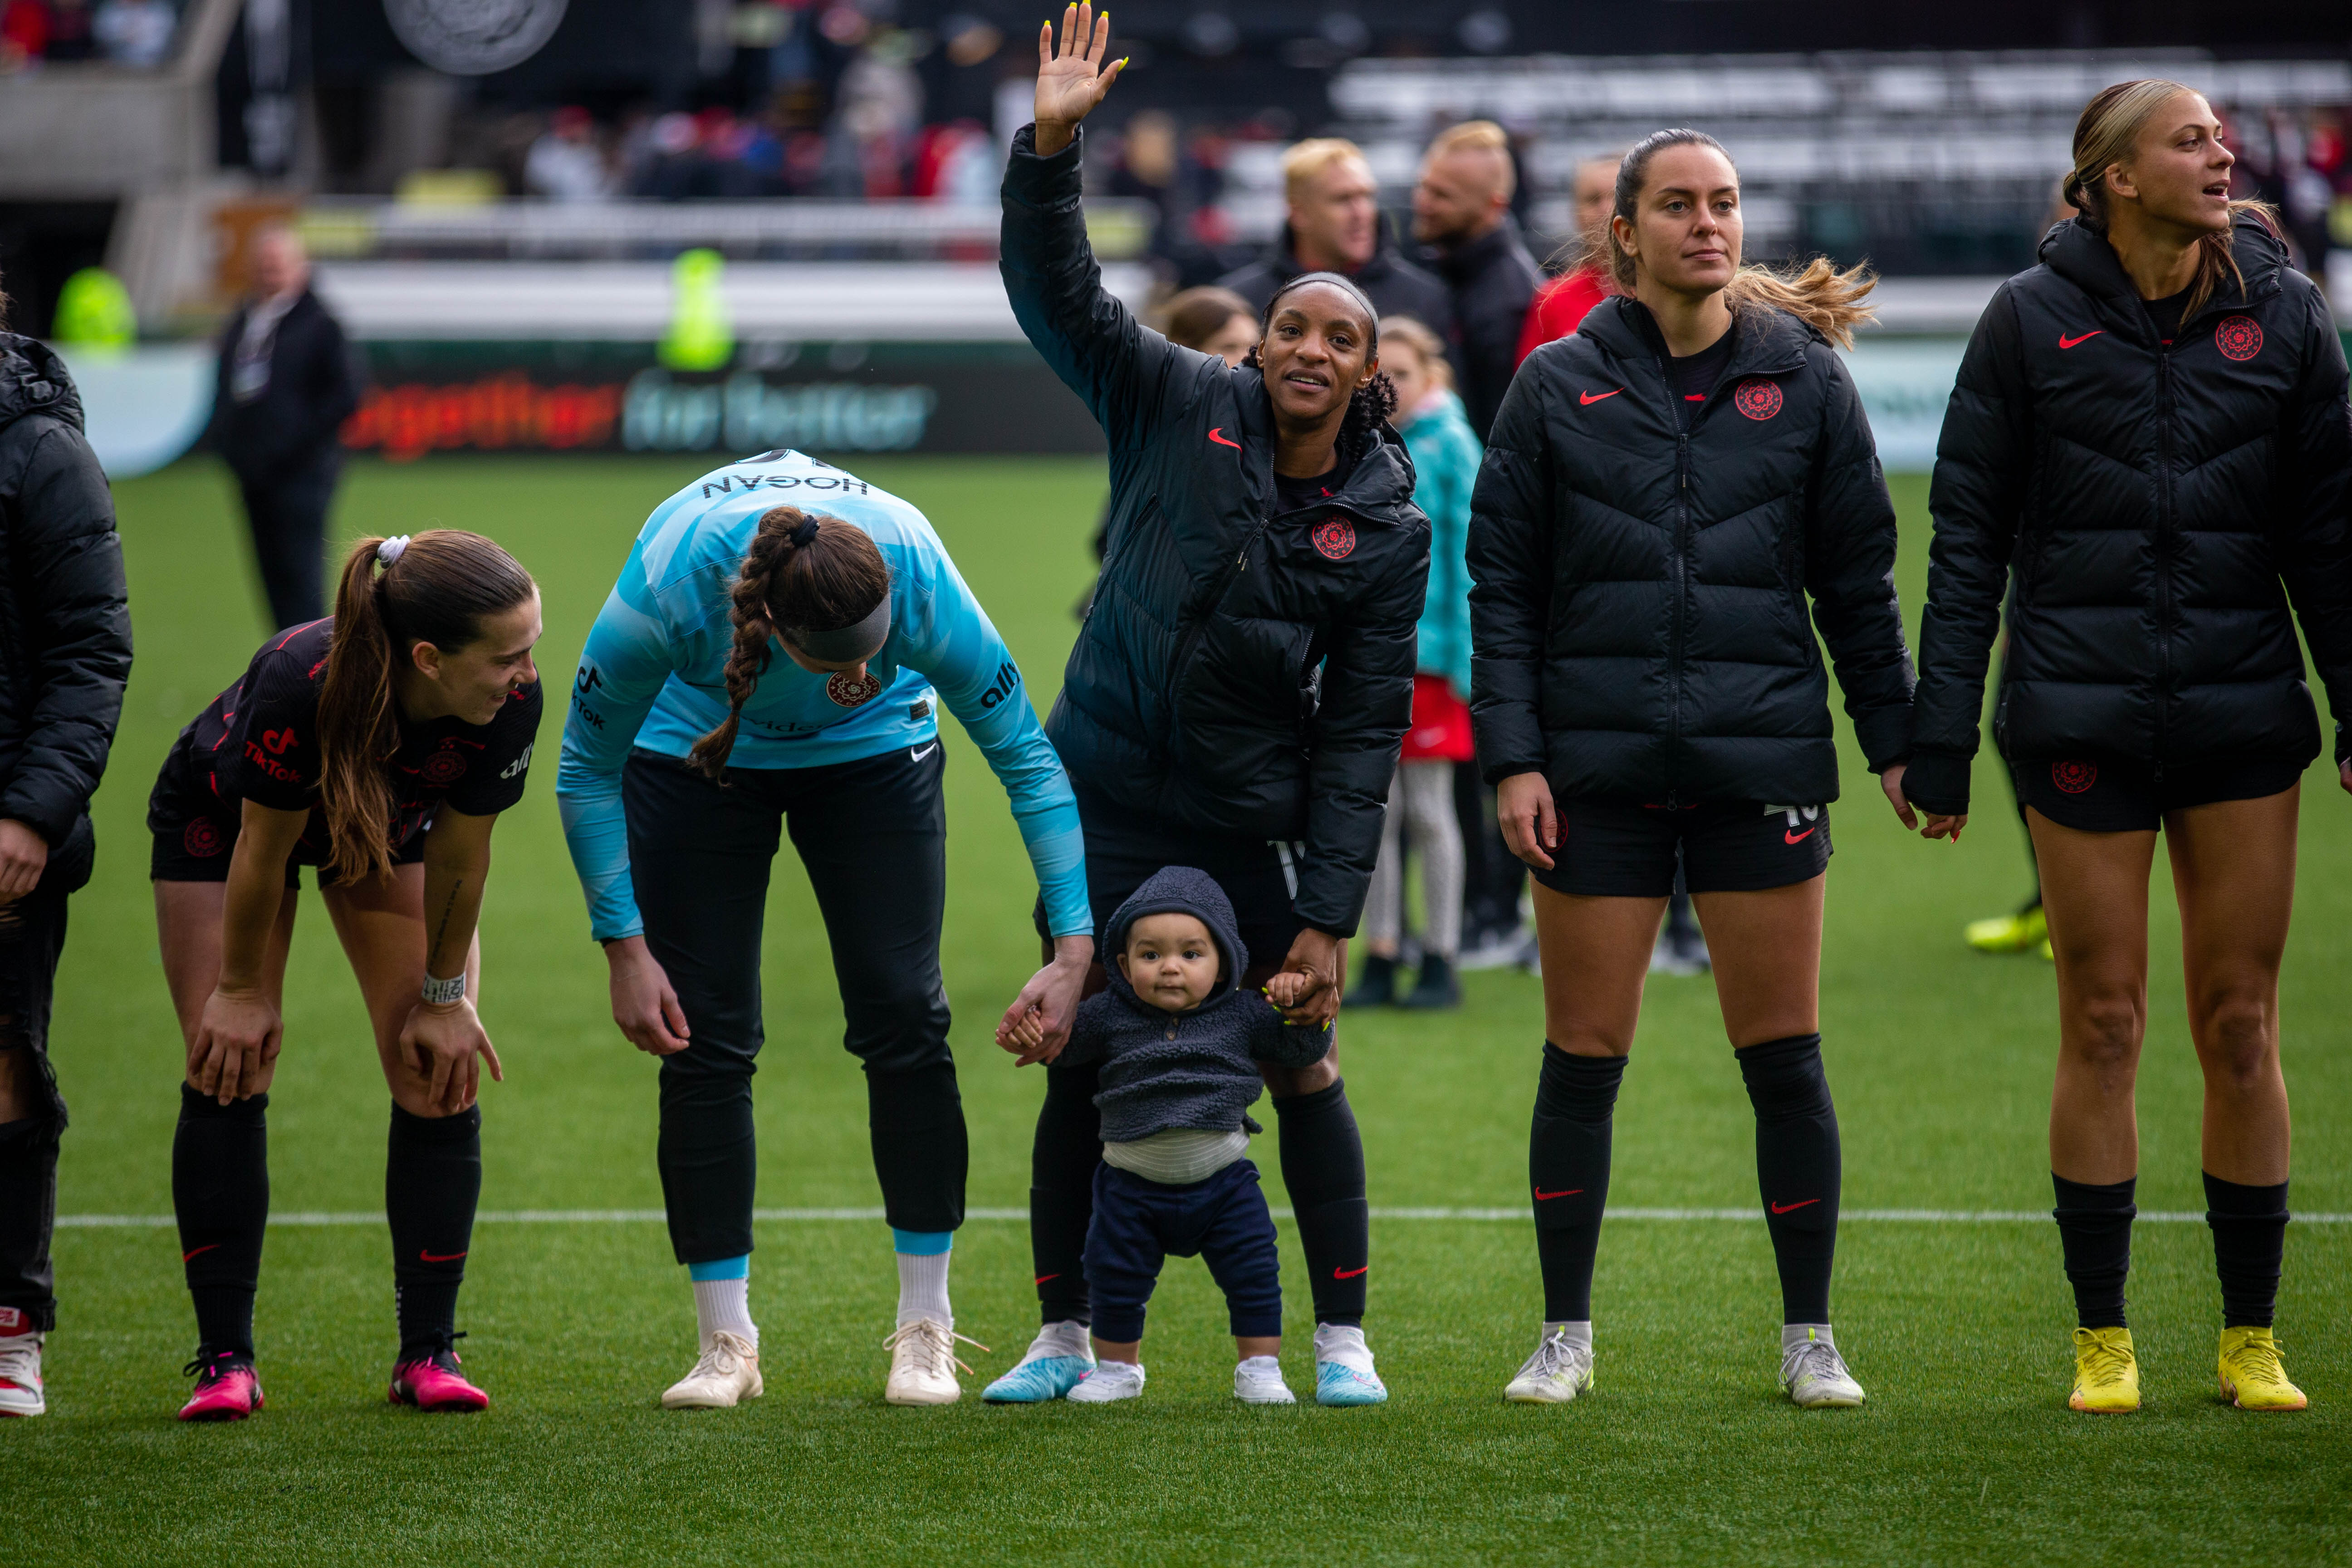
654, 1216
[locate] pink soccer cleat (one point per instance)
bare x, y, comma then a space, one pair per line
434, 1382
226, 1388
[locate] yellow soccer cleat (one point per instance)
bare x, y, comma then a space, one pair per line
2107, 1373
2252, 1377
2019, 932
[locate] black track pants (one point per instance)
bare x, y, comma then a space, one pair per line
873, 835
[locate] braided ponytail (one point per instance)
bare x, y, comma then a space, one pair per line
801, 571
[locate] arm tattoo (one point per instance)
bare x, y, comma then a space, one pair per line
441, 931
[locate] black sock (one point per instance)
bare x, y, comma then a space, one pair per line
220, 1191
1568, 1167
921, 1152
1798, 1170
2249, 1238
2095, 1228
709, 1156
1061, 1191
432, 1183
1323, 1166
28, 1210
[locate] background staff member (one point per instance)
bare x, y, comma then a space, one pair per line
1687, 469
378, 746
1236, 698
691, 748
285, 383
1462, 216
65, 653
2149, 433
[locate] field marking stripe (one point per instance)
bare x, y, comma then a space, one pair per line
654, 1216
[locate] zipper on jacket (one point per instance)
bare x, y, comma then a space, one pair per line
2164, 546
1679, 557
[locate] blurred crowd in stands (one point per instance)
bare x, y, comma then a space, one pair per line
136, 33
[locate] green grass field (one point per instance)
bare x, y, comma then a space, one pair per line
1940, 1060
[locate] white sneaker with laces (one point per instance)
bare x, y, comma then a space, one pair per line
923, 1363
20, 1376
1109, 1380
727, 1373
1559, 1371
1815, 1375
1258, 1381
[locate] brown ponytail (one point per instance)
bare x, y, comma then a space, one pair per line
1828, 300
438, 591
2107, 134
801, 571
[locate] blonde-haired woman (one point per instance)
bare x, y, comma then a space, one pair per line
1663, 491
2150, 430
380, 746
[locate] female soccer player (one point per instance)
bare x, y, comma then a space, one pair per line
1663, 490
1237, 697
2150, 432
378, 745
691, 744
1444, 452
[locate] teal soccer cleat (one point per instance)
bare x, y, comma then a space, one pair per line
1336, 1383
1035, 1382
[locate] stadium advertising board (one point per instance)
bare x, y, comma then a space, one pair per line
616, 397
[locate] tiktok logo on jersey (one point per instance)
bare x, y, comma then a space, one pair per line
849, 690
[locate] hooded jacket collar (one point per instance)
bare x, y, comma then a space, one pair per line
1769, 341
1379, 488
1177, 889
2078, 251
34, 380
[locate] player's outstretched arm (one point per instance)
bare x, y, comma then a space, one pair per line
1072, 77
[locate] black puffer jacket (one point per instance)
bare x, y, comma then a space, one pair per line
2157, 504
1638, 622
1241, 671
65, 624
1493, 280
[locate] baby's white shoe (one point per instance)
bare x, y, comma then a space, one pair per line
1109, 1380
1258, 1381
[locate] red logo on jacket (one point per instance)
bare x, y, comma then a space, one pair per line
2239, 337
1335, 538
1757, 398
2073, 777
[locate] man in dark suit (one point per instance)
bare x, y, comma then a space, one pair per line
287, 383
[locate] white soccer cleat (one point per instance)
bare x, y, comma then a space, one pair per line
1815, 1377
923, 1363
1559, 1371
1109, 1380
1258, 1381
20, 1376
727, 1373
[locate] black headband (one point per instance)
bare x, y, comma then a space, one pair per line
858, 641
1344, 284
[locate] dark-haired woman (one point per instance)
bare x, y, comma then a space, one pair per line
1240, 689
773, 661
378, 746
1665, 492
2149, 444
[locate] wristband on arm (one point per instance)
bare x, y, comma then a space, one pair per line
441, 992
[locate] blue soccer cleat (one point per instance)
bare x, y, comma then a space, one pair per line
1336, 1383
1057, 1361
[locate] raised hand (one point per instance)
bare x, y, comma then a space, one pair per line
1072, 79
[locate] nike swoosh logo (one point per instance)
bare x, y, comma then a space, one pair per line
915, 756
1043, 1277
1350, 1273
1218, 435
1542, 1196
1588, 398
1792, 1208
200, 1251
2066, 343
423, 1257
1798, 837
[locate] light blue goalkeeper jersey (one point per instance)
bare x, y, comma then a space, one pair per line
653, 675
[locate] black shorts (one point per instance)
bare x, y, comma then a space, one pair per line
1259, 875
1618, 849
194, 845
2110, 794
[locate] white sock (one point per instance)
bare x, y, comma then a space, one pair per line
725, 1304
1795, 1335
923, 1289
1062, 1339
1579, 1334
1344, 1344
1262, 1366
